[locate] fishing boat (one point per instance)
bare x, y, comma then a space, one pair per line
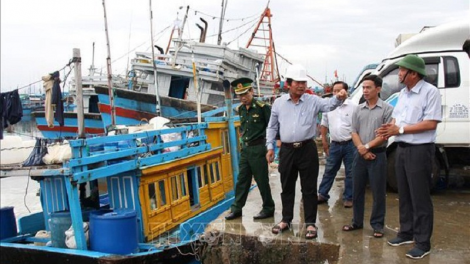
172, 81
160, 195
200, 65
92, 118
31, 102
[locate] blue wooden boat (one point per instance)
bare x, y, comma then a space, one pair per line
133, 107
172, 195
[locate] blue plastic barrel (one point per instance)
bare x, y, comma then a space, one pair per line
114, 232
60, 222
7, 223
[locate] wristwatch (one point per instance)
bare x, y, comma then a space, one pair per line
401, 130
367, 146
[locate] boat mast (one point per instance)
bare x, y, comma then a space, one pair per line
157, 96
79, 93
91, 71
221, 22
108, 63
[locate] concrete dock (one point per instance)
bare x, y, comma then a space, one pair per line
250, 241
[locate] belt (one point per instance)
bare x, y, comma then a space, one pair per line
377, 150
297, 144
341, 142
254, 142
405, 145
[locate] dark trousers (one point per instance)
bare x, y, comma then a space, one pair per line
293, 162
253, 164
376, 172
413, 170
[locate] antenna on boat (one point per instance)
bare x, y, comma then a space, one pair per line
176, 26
108, 63
157, 96
196, 88
128, 49
180, 39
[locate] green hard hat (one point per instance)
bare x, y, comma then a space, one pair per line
414, 63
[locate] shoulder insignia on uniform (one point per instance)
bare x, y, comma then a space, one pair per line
261, 104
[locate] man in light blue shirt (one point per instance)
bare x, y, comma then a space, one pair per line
294, 116
414, 124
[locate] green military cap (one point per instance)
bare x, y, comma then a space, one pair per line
242, 85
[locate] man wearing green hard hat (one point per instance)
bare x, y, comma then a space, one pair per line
414, 123
254, 118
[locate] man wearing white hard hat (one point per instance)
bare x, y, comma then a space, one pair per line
294, 116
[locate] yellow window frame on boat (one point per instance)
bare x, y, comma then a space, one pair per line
180, 207
201, 177
159, 206
176, 184
216, 185
203, 182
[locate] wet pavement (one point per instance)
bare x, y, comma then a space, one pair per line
450, 240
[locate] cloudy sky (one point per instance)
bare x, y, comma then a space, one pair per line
37, 37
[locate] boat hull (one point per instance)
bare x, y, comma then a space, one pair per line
13, 254
93, 125
132, 108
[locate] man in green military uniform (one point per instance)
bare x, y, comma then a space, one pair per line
254, 118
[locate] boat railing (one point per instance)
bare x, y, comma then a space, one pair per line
206, 65
101, 157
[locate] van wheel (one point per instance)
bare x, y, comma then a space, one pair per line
392, 179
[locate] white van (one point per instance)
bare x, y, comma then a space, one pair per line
446, 52
368, 69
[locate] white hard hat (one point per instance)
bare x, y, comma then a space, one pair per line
297, 72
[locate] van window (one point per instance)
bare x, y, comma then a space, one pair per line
431, 74
451, 72
390, 84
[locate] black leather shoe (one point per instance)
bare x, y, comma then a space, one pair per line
233, 215
263, 215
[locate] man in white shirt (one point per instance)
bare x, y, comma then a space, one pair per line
342, 149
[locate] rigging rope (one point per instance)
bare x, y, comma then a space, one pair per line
232, 29
26, 86
226, 19
244, 32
